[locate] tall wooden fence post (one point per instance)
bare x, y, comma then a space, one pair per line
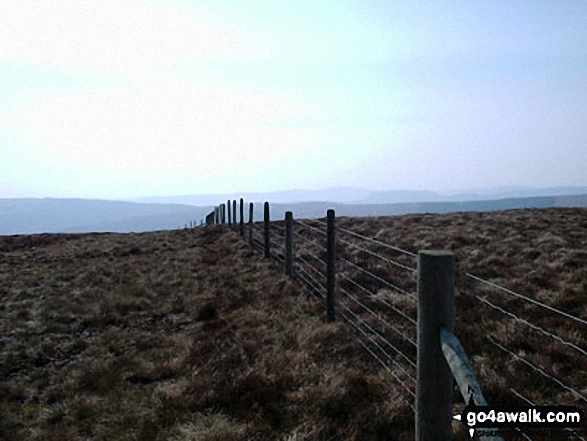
216, 215
242, 213
434, 387
266, 229
223, 213
251, 223
288, 266
330, 268
229, 218
234, 214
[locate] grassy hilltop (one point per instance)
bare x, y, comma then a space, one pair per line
193, 335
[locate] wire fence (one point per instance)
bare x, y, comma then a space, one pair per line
378, 300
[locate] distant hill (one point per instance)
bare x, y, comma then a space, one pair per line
318, 209
28, 216
354, 195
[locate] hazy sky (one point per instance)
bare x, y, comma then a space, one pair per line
127, 98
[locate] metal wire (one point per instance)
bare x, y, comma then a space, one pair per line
308, 241
311, 266
310, 227
537, 369
311, 284
314, 256
382, 337
528, 299
385, 282
378, 317
371, 293
531, 325
383, 363
310, 275
374, 254
368, 239
532, 403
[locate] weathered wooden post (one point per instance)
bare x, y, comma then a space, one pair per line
251, 223
330, 268
434, 387
288, 265
215, 215
266, 229
242, 221
234, 214
229, 218
223, 213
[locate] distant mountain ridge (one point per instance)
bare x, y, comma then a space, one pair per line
356, 195
30, 216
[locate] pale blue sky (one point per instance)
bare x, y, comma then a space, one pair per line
128, 98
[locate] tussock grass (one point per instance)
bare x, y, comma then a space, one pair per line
193, 335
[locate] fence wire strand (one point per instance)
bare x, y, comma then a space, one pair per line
537, 369
528, 299
371, 293
532, 403
383, 363
527, 323
308, 281
375, 241
376, 277
310, 227
378, 317
384, 339
308, 241
379, 256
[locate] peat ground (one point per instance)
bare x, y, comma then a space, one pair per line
193, 335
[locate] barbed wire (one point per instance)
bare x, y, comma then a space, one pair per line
310, 227
371, 293
378, 317
375, 276
528, 299
538, 369
527, 323
372, 253
383, 338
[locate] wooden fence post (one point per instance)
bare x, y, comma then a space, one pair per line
229, 217
434, 387
242, 213
266, 229
251, 223
330, 268
288, 244
234, 214
215, 215
223, 213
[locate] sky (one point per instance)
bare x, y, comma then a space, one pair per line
120, 99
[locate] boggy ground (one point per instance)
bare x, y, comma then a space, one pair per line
191, 334
175, 335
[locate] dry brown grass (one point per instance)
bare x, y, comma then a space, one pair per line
193, 335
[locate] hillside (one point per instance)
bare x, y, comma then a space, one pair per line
48, 215
191, 334
32, 216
